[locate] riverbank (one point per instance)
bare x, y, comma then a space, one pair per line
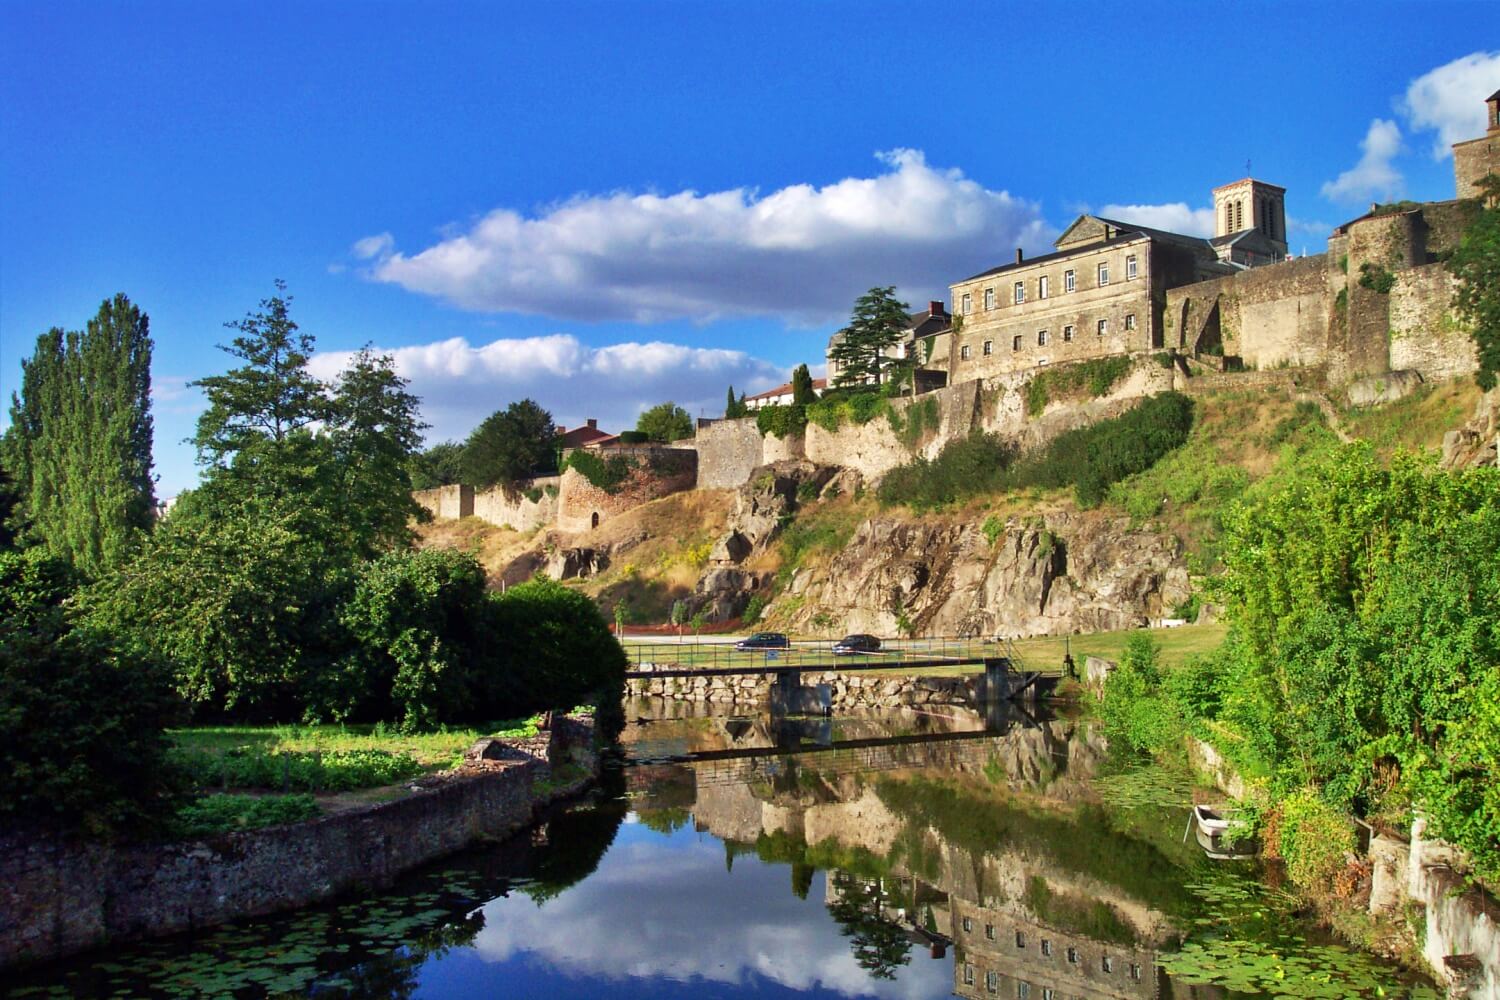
60, 897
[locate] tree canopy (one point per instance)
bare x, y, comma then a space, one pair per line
878, 322
511, 445
439, 465
735, 408
802, 387
665, 422
79, 446
1476, 263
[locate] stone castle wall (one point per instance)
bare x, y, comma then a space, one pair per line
658, 471
728, 451
513, 508
446, 503
1273, 316
1424, 335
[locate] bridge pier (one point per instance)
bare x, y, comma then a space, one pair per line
996, 686
790, 697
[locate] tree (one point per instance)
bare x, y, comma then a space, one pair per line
268, 398
880, 945
79, 447
802, 387
665, 422
374, 429
734, 408
878, 322
1476, 263
512, 444
439, 465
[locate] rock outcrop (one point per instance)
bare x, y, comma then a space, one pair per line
763, 505
1478, 441
1064, 573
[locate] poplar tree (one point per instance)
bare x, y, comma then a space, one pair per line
79, 447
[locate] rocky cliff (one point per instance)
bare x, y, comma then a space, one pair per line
1043, 575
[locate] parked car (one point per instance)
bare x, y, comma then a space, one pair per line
850, 645
764, 640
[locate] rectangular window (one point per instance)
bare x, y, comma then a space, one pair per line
1070, 281
1023, 991
1130, 266
989, 348
1046, 948
1107, 964
1042, 287
968, 925
1103, 274
968, 974
1020, 940
1041, 338
1103, 327
1067, 335
965, 304
963, 355
1135, 972
992, 982
1048, 993
1073, 955
989, 932
1015, 345
989, 299
1130, 321
1019, 292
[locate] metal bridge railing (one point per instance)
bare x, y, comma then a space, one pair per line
818, 654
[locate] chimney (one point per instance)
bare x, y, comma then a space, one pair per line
934, 307
593, 424
1019, 258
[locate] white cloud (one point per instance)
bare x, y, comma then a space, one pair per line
801, 253
1450, 99
461, 384
1373, 176
1175, 217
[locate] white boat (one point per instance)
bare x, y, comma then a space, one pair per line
1213, 830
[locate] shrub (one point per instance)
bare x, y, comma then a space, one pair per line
972, 465
559, 652
216, 814
605, 474
1097, 377
297, 770
634, 437
1312, 838
753, 609
1376, 277
992, 529
1134, 709
781, 421
81, 722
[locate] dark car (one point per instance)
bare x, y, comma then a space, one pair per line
850, 645
764, 640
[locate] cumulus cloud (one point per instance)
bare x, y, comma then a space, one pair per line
460, 384
801, 253
1450, 99
1175, 217
1373, 176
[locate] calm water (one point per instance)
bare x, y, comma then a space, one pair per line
908, 856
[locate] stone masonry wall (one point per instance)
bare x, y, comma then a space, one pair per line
58, 897
728, 451
502, 506
1270, 316
1424, 334
849, 691
659, 471
446, 503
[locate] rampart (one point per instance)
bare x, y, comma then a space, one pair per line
1273, 316
522, 508
647, 472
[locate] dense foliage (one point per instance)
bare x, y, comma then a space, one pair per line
81, 722
1096, 378
79, 445
511, 445
1089, 459
734, 408
1476, 265
665, 422
607, 473
802, 386
439, 465
1363, 666
878, 322
781, 421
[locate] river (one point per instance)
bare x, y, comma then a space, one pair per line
911, 855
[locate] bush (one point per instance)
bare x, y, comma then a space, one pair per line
857, 406
606, 474
81, 722
297, 770
1312, 838
967, 467
1097, 377
561, 652
1134, 710
781, 421
216, 814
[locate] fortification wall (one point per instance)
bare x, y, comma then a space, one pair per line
514, 508
728, 450
1424, 335
446, 503
1273, 316
655, 471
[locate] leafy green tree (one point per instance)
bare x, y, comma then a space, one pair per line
665, 422
79, 447
271, 396
10, 502
439, 465
564, 652
1476, 264
878, 322
802, 387
374, 430
512, 444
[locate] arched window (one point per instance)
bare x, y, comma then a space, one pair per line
594, 521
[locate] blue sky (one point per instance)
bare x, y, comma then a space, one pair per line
605, 205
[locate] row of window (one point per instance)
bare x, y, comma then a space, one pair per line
1044, 286
1101, 328
1106, 963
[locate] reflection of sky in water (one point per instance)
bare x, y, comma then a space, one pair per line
663, 918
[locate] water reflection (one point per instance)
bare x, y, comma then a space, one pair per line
917, 855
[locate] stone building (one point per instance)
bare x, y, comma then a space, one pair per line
1474, 159
926, 339
1263, 207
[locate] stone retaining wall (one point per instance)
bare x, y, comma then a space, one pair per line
849, 691
59, 897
